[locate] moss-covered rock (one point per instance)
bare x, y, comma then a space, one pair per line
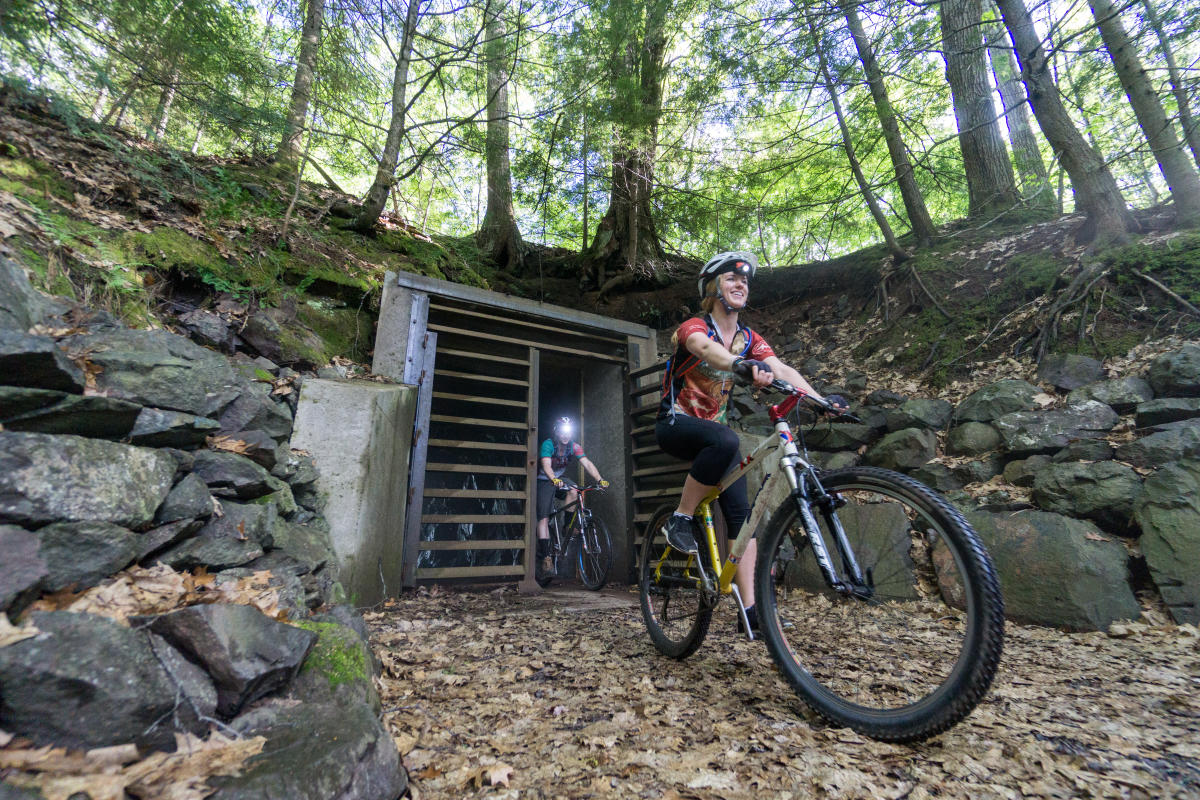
339, 666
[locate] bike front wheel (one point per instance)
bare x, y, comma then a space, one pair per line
675, 606
595, 554
911, 654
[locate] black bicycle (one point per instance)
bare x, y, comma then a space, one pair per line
574, 526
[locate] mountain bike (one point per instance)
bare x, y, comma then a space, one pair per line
874, 595
574, 524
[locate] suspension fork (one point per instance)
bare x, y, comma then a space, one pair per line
802, 495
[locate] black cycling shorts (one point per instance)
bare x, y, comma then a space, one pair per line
713, 450
545, 498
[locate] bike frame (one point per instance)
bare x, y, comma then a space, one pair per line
578, 513
803, 485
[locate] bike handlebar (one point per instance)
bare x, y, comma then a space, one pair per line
591, 487
823, 405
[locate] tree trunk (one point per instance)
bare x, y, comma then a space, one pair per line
1035, 181
1096, 191
889, 237
914, 202
626, 235
162, 113
288, 151
991, 188
385, 174
1190, 132
584, 245
498, 236
1176, 167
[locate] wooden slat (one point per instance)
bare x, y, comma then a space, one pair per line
469, 398
525, 323
480, 519
477, 494
419, 367
431, 467
637, 451
654, 387
669, 468
495, 423
644, 409
638, 431
451, 373
439, 573
449, 351
473, 445
541, 346
644, 371
482, 544
656, 493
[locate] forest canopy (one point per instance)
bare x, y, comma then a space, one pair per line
638, 131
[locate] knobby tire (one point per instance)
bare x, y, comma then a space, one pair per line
676, 615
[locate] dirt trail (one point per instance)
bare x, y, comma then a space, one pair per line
562, 695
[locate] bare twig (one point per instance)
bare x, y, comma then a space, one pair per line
928, 293
1159, 285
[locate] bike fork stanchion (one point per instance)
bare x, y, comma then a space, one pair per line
737, 595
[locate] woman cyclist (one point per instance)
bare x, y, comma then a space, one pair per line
553, 458
691, 425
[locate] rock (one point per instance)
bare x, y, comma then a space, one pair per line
1057, 571
996, 400
350, 618
21, 570
1069, 371
157, 427
184, 461
256, 446
21, 306
903, 450
86, 682
1162, 447
46, 479
37, 362
920, 413
831, 461
1023, 471
980, 470
317, 751
1176, 374
208, 328
855, 382
211, 551
197, 694
1026, 433
48, 411
876, 417
156, 539
263, 334
247, 654
80, 555
1122, 394
189, 499
232, 475
972, 439
160, 369
1084, 450
937, 476
1168, 512
307, 545
7, 790
885, 398
287, 582
1104, 492
340, 668
255, 410
848, 436
1167, 409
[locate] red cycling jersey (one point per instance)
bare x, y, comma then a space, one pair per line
697, 389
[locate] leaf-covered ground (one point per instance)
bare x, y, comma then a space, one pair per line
562, 695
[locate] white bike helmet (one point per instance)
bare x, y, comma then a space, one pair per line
738, 261
563, 427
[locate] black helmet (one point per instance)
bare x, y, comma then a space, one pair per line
738, 261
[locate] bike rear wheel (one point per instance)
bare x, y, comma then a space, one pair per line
675, 609
916, 656
595, 554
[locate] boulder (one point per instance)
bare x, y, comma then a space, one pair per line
1023, 471
996, 400
254, 410
197, 695
160, 369
1069, 370
232, 475
1122, 394
1103, 491
1025, 433
46, 479
247, 654
1162, 447
155, 539
37, 362
972, 439
920, 413
21, 306
21, 570
80, 555
212, 551
1057, 571
189, 499
1176, 374
1168, 512
831, 461
255, 521
1084, 450
937, 476
885, 398
979, 470
284, 578
340, 667
309, 546
208, 328
157, 427
1167, 409
83, 682
847, 436
315, 751
903, 450
48, 411
257, 446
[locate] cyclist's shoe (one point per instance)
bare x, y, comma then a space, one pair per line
547, 564
678, 531
752, 616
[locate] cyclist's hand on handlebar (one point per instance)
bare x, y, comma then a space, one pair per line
753, 371
558, 482
603, 483
837, 403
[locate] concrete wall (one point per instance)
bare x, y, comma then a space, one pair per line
359, 433
605, 417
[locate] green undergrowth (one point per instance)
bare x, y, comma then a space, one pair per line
338, 655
